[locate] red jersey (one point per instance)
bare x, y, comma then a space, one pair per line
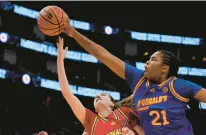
112, 124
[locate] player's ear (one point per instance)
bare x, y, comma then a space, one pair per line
112, 106
165, 68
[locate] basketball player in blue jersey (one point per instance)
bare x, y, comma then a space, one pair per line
160, 98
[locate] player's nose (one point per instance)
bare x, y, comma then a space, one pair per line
98, 96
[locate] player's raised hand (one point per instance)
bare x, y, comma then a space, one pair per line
42, 133
127, 131
61, 52
68, 29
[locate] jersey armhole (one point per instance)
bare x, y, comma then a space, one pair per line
171, 87
139, 83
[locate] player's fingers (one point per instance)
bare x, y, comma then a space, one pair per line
131, 133
124, 130
62, 41
59, 46
127, 131
65, 51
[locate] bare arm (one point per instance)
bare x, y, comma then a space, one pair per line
138, 129
127, 131
72, 100
201, 95
111, 61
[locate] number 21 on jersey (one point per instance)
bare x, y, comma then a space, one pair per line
157, 115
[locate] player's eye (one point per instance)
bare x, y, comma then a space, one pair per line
154, 59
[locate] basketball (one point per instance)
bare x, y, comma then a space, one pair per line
51, 20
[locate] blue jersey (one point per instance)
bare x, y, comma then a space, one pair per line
161, 107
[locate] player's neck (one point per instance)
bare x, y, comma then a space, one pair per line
160, 79
105, 112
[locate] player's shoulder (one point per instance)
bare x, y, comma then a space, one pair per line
181, 81
125, 109
89, 112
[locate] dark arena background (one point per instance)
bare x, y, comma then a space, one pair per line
30, 97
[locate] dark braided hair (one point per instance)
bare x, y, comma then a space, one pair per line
172, 61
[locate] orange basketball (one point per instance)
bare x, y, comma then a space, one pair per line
51, 20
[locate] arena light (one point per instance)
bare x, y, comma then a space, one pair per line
54, 85
39, 47
51, 50
146, 53
182, 70
139, 36
3, 37
78, 90
108, 30
25, 11
26, 79
165, 38
3, 73
80, 24
202, 105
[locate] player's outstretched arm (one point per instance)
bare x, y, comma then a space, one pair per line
201, 95
72, 100
111, 61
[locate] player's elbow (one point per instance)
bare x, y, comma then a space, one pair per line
201, 95
203, 99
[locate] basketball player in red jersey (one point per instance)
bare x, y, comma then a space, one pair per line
126, 102
107, 121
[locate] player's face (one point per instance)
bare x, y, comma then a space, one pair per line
102, 100
154, 67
